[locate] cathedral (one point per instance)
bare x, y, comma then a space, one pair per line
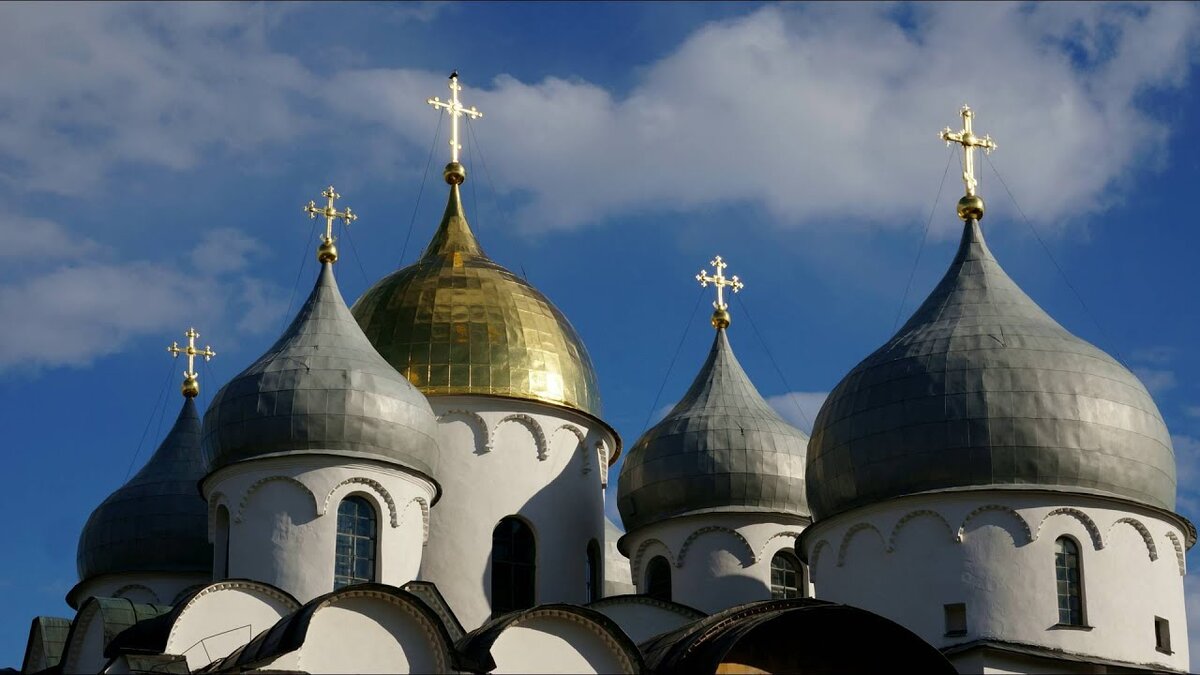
415, 482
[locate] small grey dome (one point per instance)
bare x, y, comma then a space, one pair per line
721, 448
981, 388
157, 522
322, 389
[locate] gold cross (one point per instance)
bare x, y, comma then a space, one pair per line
456, 110
720, 317
191, 388
969, 141
328, 252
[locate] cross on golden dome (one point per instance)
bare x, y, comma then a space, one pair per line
720, 317
191, 387
456, 110
328, 252
970, 206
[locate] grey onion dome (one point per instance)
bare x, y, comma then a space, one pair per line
156, 522
981, 388
721, 448
322, 389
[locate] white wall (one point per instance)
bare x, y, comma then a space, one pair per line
994, 551
143, 587
223, 617
718, 560
283, 518
558, 643
502, 457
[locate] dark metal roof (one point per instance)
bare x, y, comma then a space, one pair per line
982, 388
47, 638
156, 522
323, 389
798, 635
721, 447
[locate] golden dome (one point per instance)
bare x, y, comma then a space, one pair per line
455, 322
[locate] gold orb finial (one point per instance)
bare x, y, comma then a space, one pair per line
720, 316
971, 205
191, 386
327, 252
455, 173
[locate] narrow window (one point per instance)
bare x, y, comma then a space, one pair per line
1070, 587
593, 571
221, 549
1162, 635
956, 619
787, 576
357, 537
658, 578
514, 556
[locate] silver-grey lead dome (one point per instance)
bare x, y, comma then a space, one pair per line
156, 522
322, 389
981, 388
721, 448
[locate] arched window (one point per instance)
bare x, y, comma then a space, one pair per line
787, 576
658, 578
514, 571
357, 541
594, 578
1068, 574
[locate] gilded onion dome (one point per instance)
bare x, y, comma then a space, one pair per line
455, 322
721, 448
321, 389
156, 522
982, 389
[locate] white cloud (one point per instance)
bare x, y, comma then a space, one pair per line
1159, 355
223, 250
824, 114
1192, 410
799, 408
84, 309
41, 239
806, 110
1157, 380
1187, 468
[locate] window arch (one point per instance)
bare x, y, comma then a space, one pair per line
357, 542
1068, 573
787, 576
658, 578
594, 578
514, 566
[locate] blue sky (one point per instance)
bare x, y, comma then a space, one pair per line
154, 159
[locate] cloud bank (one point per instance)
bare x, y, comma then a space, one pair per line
825, 115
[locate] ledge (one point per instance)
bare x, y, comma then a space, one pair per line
1069, 626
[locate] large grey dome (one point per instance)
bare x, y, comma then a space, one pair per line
322, 389
981, 388
722, 447
157, 522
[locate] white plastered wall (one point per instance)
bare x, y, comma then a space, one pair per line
994, 550
222, 617
502, 457
283, 518
142, 587
559, 642
718, 560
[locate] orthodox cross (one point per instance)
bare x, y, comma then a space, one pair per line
456, 110
719, 280
190, 387
329, 212
969, 141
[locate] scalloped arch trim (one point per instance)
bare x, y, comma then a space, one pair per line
708, 529
527, 421
1084, 519
380, 490
1142, 530
263, 481
853, 530
1024, 524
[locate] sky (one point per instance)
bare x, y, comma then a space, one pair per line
155, 157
